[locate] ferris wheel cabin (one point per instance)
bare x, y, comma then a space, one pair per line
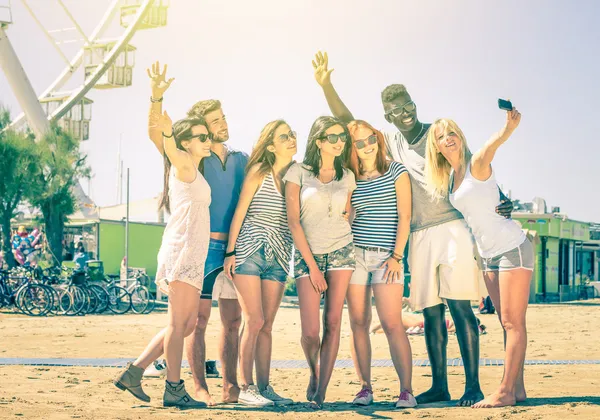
155, 18
119, 74
77, 120
5, 14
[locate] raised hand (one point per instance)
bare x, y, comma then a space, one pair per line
161, 122
513, 118
322, 73
158, 80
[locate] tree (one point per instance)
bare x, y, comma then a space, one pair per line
19, 172
61, 165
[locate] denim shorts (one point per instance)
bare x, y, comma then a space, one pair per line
519, 257
263, 266
213, 266
340, 259
368, 266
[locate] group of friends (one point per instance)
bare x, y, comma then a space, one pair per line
342, 219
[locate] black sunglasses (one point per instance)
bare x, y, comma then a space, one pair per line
202, 137
288, 137
407, 107
333, 138
361, 144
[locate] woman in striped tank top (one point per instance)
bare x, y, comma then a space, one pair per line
381, 212
259, 255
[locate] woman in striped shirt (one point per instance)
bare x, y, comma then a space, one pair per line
259, 255
381, 211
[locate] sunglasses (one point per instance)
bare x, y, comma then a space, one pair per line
407, 107
202, 137
333, 138
288, 137
361, 144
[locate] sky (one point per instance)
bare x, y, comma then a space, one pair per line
456, 59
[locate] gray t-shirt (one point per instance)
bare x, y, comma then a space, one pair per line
426, 212
322, 208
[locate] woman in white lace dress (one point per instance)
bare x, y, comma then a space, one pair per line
182, 254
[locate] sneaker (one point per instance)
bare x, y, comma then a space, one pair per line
156, 370
364, 397
211, 369
406, 400
251, 396
270, 394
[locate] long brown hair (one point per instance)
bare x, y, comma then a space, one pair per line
312, 156
182, 130
381, 162
260, 154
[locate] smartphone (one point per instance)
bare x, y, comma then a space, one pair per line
504, 104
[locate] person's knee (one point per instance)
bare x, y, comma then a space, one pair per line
190, 327
254, 323
332, 323
231, 324
267, 327
311, 337
201, 323
392, 327
360, 323
512, 324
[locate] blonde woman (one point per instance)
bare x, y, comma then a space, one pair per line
468, 180
259, 255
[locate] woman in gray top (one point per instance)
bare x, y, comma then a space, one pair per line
318, 195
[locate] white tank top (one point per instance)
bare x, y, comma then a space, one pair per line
477, 201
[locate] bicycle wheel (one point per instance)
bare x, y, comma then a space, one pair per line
94, 300
140, 299
35, 300
119, 300
81, 300
103, 299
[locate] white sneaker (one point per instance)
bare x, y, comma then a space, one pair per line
364, 397
251, 396
270, 394
155, 370
406, 400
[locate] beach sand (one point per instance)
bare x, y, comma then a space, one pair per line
556, 332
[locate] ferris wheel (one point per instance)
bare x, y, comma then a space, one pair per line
100, 63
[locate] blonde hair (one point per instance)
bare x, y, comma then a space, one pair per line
437, 168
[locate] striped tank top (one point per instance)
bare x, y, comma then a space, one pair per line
266, 226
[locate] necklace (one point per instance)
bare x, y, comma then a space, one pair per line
329, 190
418, 136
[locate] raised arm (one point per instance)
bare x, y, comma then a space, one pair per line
481, 163
323, 78
292, 200
158, 85
251, 184
181, 161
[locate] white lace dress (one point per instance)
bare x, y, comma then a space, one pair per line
185, 240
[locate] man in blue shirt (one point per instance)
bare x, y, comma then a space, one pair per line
224, 171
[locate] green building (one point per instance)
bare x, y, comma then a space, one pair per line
560, 254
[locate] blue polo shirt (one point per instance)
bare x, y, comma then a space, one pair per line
225, 180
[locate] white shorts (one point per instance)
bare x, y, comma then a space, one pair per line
368, 270
443, 265
224, 288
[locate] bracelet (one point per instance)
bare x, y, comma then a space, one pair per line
164, 135
230, 254
155, 100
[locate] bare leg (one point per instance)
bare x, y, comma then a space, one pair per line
387, 297
231, 318
196, 352
359, 310
514, 297
337, 287
272, 293
153, 350
250, 299
183, 307
310, 305
492, 283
